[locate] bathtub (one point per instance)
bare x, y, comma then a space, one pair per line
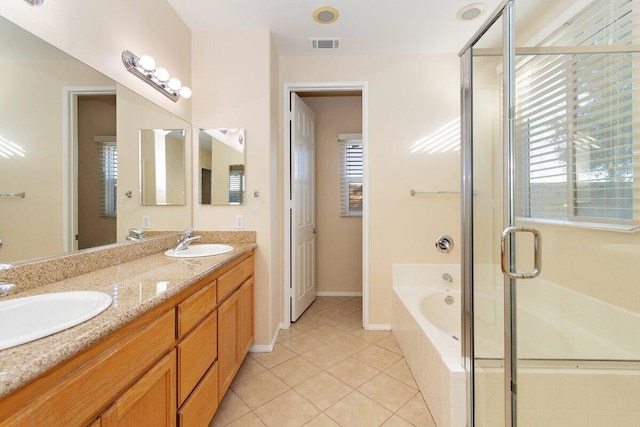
431, 342
576, 366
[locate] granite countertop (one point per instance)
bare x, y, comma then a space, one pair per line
135, 286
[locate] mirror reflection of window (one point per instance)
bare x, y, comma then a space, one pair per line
162, 167
236, 184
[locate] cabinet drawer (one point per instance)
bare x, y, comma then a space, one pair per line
202, 405
195, 308
231, 280
195, 354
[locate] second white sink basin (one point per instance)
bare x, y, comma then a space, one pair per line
30, 318
195, 251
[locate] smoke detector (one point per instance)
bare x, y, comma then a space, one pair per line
325, 43
470, 12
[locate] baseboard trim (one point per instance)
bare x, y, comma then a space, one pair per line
268, 348
378, 327
338, 294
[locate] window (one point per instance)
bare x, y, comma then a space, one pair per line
352, 172
109, 179
575, 122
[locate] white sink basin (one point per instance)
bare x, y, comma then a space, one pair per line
195, 251
27, 319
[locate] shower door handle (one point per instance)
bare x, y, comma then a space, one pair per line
537, 253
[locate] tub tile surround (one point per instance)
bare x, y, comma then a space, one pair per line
138, 276
326, 372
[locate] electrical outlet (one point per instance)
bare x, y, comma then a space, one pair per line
146, 221
239, 222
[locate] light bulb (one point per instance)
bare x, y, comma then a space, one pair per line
147, 63
185, 92
162, 74
174, 84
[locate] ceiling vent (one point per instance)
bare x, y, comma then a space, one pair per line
324, 44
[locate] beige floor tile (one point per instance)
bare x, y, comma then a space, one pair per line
307, 323
279, 354
323, 390
326, 333
302, 343
284, 334
249, 369
387, 391
353, 372
400, 371
416, 412
260, 389
322, 421
347, 308
346, 324
249, 420
295, 371
287, 410
377, 357
348, 344
370, 336
390, 343
358, 410
396, 421
325, 356
231, 408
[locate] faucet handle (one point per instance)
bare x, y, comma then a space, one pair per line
6, 266
187, 233
7, 288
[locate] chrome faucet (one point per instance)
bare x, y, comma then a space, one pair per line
185, 239
6, 288
135, 235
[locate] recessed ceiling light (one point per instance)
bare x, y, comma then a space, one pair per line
470, 11
326, 15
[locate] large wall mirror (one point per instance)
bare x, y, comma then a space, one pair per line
221, 163
69, 141
162, 167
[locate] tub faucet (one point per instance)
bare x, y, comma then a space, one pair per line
447, 277
185, 240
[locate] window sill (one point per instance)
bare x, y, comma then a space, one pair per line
620, 228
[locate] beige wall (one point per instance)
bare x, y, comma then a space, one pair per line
109, 27
241, 95
339, 240
34, 121
135, 113
410, 98
96, 117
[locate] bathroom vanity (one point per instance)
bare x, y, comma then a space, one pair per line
165, 353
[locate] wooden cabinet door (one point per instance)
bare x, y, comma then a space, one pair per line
228, 315
149, 402
245, 326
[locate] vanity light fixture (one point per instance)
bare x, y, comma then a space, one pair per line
145, 68
35, 2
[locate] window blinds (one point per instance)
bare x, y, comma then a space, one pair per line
575, 121
109, 179
351, 180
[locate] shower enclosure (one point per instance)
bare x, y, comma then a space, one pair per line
551, 214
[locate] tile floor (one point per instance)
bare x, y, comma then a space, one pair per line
326, 371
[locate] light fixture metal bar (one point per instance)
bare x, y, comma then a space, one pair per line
130, 61
35, 2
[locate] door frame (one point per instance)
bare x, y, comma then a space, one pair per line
70, 96
288, 88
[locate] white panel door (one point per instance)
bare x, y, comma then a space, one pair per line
303, 215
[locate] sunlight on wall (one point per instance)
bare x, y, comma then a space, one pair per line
8, 148
445, 139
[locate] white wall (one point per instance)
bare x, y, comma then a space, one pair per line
410, 98
96, 33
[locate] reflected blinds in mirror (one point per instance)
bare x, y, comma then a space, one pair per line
352, 168
575, 121
108, 178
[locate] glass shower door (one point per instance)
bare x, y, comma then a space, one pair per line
551, 186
